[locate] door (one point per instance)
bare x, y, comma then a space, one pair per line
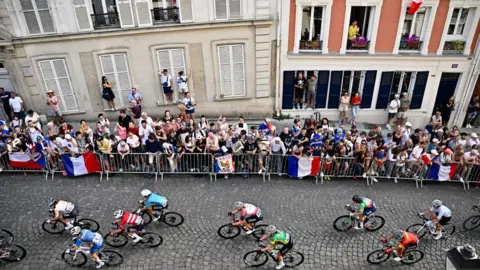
446, 89
288, 82
6, 83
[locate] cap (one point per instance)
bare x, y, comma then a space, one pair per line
49, 91
397, 95
408, 124
448, 151
435, 140
404, 93
268, 120
440, 131
144, 113
434, 152
277, 139
67, 136
474, 135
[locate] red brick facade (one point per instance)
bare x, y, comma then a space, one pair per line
388, 26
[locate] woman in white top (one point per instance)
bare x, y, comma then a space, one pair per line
182, 84
203, 124
134, 142
222, 123
104, 122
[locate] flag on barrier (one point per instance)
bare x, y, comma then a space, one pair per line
85, 164
442, 173
224, 164
304, 166
27, 160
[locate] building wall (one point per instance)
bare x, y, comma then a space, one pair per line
438, 26
389, 20
336, 26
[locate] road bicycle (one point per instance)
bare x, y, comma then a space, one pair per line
57, 226
173, 219
411, 255
258, 258
10, 252
472, 222
371, 222
421, 229
228, 231
78, 257
6, 236
149, 239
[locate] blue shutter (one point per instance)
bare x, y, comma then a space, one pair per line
419, 90
335, 88
322, 89
384, 90
368, 87
288, 81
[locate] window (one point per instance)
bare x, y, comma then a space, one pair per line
172, 60
228, 9
457, 23
232, 70
353, 81
402, 82
37, 16
393, 83
55, 76
363, 17
115, 68
413, 30
312, 28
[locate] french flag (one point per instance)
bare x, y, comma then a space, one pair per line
301, 167
25, 161
442, 173
85, 164
415, 6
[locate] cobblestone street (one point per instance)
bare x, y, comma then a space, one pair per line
299, 207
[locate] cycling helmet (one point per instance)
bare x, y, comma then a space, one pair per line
271, 229
398, 234
437, 203
75, 230
356, 199
51, 201
146, 192
238, 205
118, 214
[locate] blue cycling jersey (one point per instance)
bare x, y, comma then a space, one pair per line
155, 199
87, 236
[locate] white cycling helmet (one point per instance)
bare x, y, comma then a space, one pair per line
271, 229
437, 203
118, 214
146, 192
238, 205
75, 230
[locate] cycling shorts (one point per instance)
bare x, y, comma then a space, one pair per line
444, 220
136, 228
157, 207
368, 211
96, 248
286, 247
253, 219
75, 211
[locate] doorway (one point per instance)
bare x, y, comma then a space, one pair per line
446, 89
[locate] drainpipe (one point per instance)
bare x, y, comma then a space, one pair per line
277, 65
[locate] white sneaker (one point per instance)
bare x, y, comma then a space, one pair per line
260, 172
137, 239
100, 264
280, 174
280, 265
360, 227
388, 177
395, 180
397, 259
461, 180
250, 231
374, 179
439, 235
364, 175
69, 226
225, 176
157, 218
468, 126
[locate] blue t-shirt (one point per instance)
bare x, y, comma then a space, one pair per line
87, 236
155, 199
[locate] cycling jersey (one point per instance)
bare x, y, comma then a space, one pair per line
442, 211
249, 210
279, 238
409, 239
156, 199
130, 219
366, 203
87, 236
64, 207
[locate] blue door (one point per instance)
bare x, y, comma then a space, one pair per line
335, 88
288, 81
419, 90
368, 86
446, 89
384, 90
322, 89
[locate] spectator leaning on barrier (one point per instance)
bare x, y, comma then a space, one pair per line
472, 110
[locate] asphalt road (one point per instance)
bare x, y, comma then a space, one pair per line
300, 207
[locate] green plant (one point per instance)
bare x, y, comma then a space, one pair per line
281, 116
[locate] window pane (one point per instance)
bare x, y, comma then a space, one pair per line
46, 20
419, 20
407, 25
461, 23
32, 22
306, 19
395, 84
317, 23
406, 81
346, 81
356, 81
453, 21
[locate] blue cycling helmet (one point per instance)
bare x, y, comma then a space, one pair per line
399, 235
51, 202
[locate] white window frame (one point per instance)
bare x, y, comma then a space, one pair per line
227, 4
118, 91
37, 16
171, 68
350, 84
457, 23
400, 83
326, 6
312, 19
233, 95
59, 89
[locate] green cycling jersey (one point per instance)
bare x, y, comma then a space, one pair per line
365, 203
279, 237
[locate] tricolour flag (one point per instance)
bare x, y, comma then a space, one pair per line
415, 6
442, 173
304, 166
224, 164
85, 164
25, 161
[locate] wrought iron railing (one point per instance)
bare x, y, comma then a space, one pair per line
165, 15
105, 20
454, 47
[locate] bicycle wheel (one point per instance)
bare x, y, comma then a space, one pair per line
448, 229
374, 223
255, 258
471, 223
173, 219
343, 223
147, 218
79, 260
412, 256
6, 236
15, 253
151, 239
293, 259
54, 227
89, 224
259, 231
417, 229
118, 240
111, 258
378, 256
228, 231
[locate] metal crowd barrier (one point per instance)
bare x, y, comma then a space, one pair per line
397, 170
133, 163
245, 165
340, 167
6, 167
474, 176
187, 163
461, 172
276, 164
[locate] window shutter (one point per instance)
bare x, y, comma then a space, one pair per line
384, 90
163, 57
45, 16
144, 16
83, 18
186, 10
419, 90
30, 17
125, 13
56, 77
335, 88
48, 76
322, 89
238, 70
225, 70
123, 84
178, 61
235, 9
221, 9
368, 87
288, 82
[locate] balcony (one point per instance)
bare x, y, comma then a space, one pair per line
454, 47
409, 45
165, 15
105, 20
314, 45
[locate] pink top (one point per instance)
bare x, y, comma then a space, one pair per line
53, 102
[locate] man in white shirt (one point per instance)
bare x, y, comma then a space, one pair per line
473, 140
392, 110
241, 125
71, 145
146, 118
166, 81
182, 84
34, 118
16, 103
144, 130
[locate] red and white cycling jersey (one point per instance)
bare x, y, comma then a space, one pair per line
249, 210
130, 219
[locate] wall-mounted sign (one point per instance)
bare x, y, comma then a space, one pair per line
454, 65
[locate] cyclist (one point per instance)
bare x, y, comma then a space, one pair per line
135, 222
439, 216
154, 203
249, 215
366, 207
62, 209
91, 239
405, 240
280, 243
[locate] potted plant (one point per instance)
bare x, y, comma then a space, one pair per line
413, 42
312, 44
360, 42
458, 45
